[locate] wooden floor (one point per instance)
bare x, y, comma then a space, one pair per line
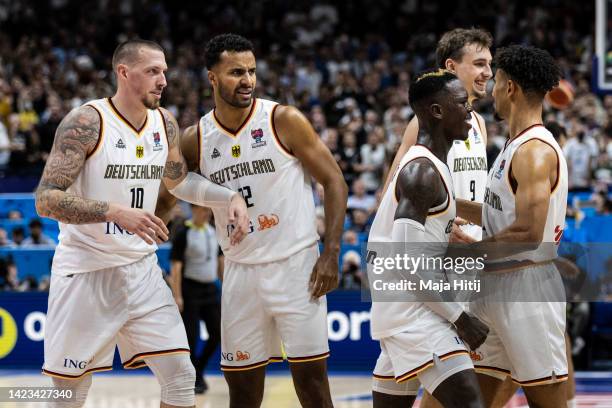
142, 391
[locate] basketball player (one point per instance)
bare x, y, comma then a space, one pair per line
275, 281
101, 183
525, 202
419, 207
466, 53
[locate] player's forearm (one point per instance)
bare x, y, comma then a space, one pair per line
59, 205
220, 268
198, 190
336, 194
164, 207
469, 210
176, 277
448, 310
513, 240
175, 170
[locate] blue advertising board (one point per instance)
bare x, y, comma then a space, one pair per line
23, 318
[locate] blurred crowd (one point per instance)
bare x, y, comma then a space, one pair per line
347, 65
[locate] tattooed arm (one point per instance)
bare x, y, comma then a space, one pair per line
189, 149
194, 188
176, 166
76, 137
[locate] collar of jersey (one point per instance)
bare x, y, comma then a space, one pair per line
229, 132
127, 122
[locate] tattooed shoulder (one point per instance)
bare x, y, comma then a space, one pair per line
80, 127
76, 136
172, 129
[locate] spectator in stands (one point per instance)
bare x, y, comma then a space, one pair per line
372, 156
43, 284
603, 205
360, 199
558, 132
350, 237
360, 221
37, 237
49, 122
8, 275
351, 271
578, 155
5, 147
349, 156
18, 236
4, 240
14, 215
28, 284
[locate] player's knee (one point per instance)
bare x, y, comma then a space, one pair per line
78, 388
176, 376
390, 387
462, 387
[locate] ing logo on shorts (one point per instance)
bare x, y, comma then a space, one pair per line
242, 356
8, 333
476, 355
266, 222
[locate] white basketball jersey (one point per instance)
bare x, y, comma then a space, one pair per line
467, 161
499, 210
389, 318
274, 184
125, 168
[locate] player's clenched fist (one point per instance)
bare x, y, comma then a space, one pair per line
471, 330
140, 222
239, 217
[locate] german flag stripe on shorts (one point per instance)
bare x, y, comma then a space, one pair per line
72, 377
413, 373
544, 380
136, 361
308, 358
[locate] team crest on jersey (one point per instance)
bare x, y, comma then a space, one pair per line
120, 144
140, 152
236, 151
498, 173
257, 135
477, 139
157, 146
215, 154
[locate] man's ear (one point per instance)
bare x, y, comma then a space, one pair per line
512, 89
212, 78
450, 65
436, 110
122, 71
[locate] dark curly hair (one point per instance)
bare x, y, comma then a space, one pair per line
427, 85
452, 42
533, 69
225, 42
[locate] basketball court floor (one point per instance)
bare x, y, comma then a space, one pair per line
140, 390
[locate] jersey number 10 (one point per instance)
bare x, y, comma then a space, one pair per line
137, 197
